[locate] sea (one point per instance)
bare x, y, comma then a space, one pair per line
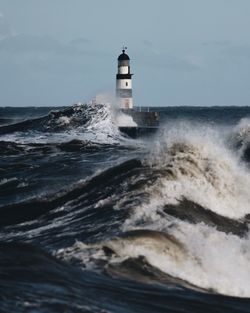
94, 221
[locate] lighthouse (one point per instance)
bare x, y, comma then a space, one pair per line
124, 82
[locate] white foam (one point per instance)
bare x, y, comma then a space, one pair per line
85, 255
242, 129
63, 120
200, 168
240, 136
199, 254
7, 180
101, 127
210, 259
124, 120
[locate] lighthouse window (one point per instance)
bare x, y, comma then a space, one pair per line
126, 83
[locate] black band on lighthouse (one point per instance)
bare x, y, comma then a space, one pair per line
123, 76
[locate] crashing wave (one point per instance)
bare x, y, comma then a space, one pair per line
199, 167
240, 138
94, 122
180, 213
197, 257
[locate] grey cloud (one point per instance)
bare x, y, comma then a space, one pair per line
179, 64
238, 51
218, 43
25, 44
156, 57
5, 30
80, 41
147, 43
229, 48
171, 62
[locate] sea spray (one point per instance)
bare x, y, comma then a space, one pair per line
201, 168
96, 122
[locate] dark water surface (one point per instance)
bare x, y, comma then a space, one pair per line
93, 221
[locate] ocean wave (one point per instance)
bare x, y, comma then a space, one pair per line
198, 255
34, 280
92, 122
7, 185
193, 256
74, 145
240, 138
191, 222
198, 166
180, 215
84, 194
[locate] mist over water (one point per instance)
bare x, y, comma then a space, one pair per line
91, 211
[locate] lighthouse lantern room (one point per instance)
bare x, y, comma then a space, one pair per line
124, 82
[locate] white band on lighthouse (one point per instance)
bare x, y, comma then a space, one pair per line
123, 70
124, 82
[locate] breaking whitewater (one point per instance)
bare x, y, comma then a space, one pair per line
93, 221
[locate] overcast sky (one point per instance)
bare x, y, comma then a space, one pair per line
183, 52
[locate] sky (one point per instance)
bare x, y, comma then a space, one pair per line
183, 52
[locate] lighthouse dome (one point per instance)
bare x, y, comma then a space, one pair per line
123, 56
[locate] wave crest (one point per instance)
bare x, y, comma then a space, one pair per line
199, 167
94, 122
